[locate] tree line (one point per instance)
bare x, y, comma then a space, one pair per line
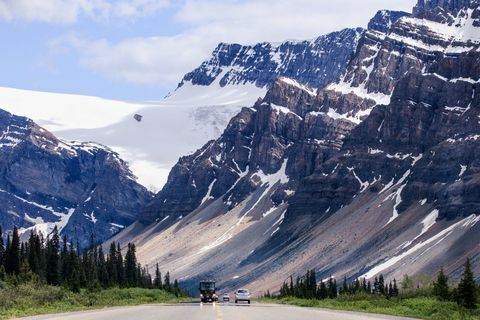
306, 287
58, 262
466, 293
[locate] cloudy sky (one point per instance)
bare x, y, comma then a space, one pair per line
139, 49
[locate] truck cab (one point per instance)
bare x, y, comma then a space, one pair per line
207, 291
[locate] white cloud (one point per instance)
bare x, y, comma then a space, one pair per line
68, 11
154, 61
162, 61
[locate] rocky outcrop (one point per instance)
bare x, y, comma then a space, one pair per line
384, 19
83, 188
443, 11
262, 63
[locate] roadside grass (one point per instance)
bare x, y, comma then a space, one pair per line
33, 299
416, 307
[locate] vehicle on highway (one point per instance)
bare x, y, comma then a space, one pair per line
226, 297
242, 295
207, 291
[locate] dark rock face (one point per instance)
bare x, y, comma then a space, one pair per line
429, 135
314, 63
83, 188
442, 11
384, 19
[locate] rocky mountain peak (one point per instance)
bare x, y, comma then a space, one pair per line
383, 20
260, 64
443, 11
82, 187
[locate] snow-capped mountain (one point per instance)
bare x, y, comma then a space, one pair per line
205, 101
314, 62
83, 188
376, 172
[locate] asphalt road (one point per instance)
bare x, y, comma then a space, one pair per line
219, 311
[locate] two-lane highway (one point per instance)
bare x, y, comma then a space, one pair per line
218, 311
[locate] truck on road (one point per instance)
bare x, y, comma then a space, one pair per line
207, 291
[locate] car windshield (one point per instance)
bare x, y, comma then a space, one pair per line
207, 285
242, 291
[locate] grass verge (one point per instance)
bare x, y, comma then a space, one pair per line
418, 307
33, 299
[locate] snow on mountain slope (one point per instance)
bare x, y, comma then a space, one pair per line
175, 126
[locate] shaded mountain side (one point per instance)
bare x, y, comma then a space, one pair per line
83, 188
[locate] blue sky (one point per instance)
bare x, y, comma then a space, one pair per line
139, 49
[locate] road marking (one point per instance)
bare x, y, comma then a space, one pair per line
219, 312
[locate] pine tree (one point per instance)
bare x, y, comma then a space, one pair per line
120, 267
12, 254
53, 259
157, 283
332, 288
65, 261
440, 287
290, 288
131, 272
312, 285
381, 285
166, 282
467, 288
322, 291
344, 286
103, 275
395, 288
112, 265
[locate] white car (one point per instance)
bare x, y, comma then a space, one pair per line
242, 295
226, 297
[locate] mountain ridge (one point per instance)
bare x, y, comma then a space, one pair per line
305, 174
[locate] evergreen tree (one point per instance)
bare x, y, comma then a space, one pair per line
344, 286
364, 285
112, 268
467, 288
157, 283
53, 259
120, 267
12, 254
65, 261
291, 289
166, 282
395, 292
33, 259
332, 288
381, 285
322, 290
103, 275
131, 272
440, 287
